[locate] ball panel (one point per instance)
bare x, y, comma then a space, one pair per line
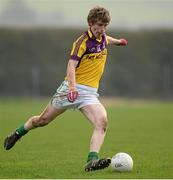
122, 162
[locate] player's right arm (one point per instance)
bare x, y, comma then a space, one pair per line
78, 50
71, 74
71, 78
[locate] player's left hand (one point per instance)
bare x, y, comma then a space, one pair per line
72, 95
123, 42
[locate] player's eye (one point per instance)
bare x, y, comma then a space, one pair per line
102, 24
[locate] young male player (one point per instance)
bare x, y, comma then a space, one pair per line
79, 89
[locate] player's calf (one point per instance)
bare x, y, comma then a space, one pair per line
40, 121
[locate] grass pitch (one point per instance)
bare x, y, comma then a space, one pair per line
59, 150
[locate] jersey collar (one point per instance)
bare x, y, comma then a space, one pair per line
91, 35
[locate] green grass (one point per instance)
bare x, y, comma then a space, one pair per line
59, 150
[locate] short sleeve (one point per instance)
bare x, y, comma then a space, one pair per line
79, 48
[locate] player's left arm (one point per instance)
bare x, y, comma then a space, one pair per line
114, 41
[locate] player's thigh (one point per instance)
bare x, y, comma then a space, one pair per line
95, 113
50, 113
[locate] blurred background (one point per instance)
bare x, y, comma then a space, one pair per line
36, 38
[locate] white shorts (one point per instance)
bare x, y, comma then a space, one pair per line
87, 96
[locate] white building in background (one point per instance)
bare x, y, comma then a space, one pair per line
125, 14
17, 13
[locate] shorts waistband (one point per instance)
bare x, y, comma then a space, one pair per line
83, 87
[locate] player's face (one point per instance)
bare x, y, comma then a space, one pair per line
99, 28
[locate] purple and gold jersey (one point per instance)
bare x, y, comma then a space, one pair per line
91, 55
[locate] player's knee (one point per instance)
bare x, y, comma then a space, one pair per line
102, 123
40, 121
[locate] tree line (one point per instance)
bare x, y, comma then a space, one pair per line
33, 62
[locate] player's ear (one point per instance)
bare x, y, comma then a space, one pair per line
90, 24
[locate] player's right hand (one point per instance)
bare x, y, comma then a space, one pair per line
72, 95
